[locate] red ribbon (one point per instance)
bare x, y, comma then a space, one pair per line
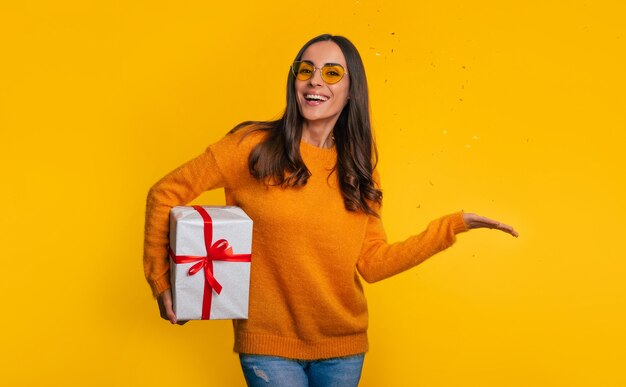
218, 251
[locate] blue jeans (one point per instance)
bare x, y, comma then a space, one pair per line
275, 371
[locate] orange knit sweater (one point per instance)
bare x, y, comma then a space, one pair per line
306, 298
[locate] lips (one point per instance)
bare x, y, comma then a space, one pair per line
316, 97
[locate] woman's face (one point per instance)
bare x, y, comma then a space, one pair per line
319, 102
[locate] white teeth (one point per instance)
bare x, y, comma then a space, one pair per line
315, 97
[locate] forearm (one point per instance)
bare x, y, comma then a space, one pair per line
380, 260
177, 188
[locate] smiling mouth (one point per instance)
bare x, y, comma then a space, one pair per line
315, 98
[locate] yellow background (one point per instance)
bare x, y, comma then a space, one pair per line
514, 110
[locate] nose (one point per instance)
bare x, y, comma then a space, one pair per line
316, 79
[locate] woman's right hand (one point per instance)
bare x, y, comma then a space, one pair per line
165, 307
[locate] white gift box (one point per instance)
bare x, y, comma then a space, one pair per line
210, 286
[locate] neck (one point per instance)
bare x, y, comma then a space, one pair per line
319, 135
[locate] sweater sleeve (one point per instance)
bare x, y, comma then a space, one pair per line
217, 167
177, 188
379, 259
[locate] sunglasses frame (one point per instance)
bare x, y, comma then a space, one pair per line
293, 71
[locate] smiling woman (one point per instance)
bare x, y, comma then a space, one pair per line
309, 182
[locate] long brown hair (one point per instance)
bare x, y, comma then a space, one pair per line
277, 159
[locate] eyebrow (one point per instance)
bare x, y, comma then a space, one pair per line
325, 64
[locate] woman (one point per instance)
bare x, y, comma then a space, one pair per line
309, 183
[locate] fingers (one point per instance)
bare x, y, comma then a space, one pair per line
506, 228
171, 316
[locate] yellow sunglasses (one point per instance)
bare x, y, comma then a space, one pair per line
331, 72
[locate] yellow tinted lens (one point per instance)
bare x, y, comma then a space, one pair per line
303, 70
332, 73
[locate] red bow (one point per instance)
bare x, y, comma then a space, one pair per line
219, 251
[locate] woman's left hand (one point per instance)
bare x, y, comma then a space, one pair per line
477, 221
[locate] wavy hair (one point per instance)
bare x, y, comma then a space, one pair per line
277, 159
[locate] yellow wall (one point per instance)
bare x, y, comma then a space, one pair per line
514, 110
